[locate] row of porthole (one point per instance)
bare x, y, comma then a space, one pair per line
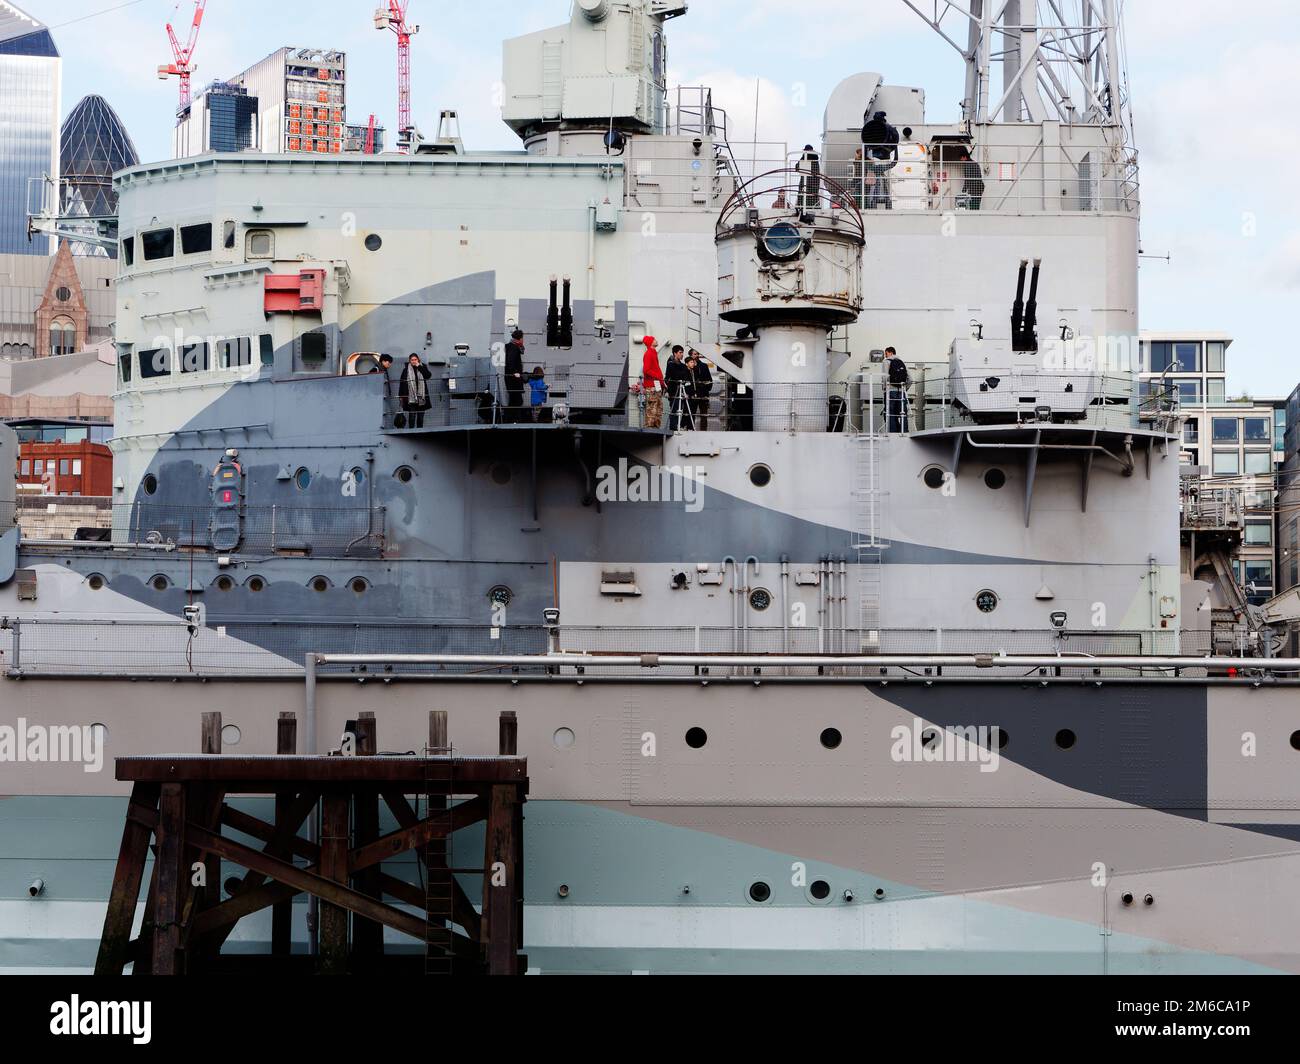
936, 477
301, 479
160, 582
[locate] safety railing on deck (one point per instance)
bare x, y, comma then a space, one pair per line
319, 531
998, 179
237, 648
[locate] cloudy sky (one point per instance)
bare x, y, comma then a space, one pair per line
1215, 88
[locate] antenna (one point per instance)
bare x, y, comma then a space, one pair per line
182, 65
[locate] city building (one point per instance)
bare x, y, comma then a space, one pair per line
294, 100
53, 305
1233, 446
1289, 501
69, 469
95, 145
77, 387
30, 90
354, 139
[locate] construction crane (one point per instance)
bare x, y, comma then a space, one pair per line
393, 17
182, 64
370, 136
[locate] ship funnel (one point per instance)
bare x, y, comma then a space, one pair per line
553, 317
1018, 308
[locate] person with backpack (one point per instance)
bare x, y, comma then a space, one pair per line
899, 380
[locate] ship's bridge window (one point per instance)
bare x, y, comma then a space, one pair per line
158, 244
194, 358
128, 250
234, 353
227, 234
313, 350
124, 361
266, 347
155, 363
260, 244
196, 239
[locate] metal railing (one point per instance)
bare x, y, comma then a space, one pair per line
318, 531
242, 648
997, 179
1206, 505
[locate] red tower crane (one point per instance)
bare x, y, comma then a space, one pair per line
393, 17
182, 65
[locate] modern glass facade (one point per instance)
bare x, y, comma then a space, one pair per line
232, 119
95, 144
29, 124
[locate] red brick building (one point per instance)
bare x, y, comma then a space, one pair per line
83, 468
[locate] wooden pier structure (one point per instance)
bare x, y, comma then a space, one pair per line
181, 803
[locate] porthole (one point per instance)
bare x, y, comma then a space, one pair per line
230, 735
160, 583
1295, 740
563, 738
319, 584
935, 478
359, 586
696, 738
819, 889
995, 480
986, 601
760, 599
1003, 738
1065, 738
358, 476
256, 584
500, 473
405, 474
149, 484
63, 294
831, 738
302, 478
95, 582
759, 892
500, 595
225, 583
374, 241
760, 476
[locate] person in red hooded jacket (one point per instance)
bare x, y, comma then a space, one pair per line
652, 381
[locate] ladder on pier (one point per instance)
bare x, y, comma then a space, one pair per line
439, 888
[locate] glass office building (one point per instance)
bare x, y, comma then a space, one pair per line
95, 145
29, 124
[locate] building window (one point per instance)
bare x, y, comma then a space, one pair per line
63, 337
1279, 431
63, 294
1216, 391
1190, 458
65, 467
1259, 579
1189, 393
26, 467
158, 244
1258, 430
1215, 356
1187, 358
196, 239
1161, 357
1192, 431
1225, 430
155, 363
76, 467
1259, 463
1227, 463
1259, 533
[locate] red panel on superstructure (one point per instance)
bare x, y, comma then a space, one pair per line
288, 293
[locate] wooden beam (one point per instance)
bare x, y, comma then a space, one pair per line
508, 739
439, 743
286, 744
404, 839
264, 775
167, 894
334, 839
367, 936
302, 880
114, 942
501, 946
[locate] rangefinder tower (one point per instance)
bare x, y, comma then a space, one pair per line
790, 276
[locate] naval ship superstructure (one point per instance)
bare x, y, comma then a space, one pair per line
920, 672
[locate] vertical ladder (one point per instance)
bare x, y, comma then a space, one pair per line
552, 78
437, 858
869, 542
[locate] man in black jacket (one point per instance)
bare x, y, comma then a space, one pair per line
678, 379
514, 372
413, 391
880, 146
896, 400
701, 388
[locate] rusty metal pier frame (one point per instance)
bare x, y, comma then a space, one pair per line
180, 802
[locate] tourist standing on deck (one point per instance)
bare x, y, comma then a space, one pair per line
414, 391
538, 389
652, 382
700, 390
899, 381
880, 147
679, 380
514, 373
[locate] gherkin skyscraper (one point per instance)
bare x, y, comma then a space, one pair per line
94, 145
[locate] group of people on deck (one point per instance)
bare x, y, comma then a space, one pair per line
686, 380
